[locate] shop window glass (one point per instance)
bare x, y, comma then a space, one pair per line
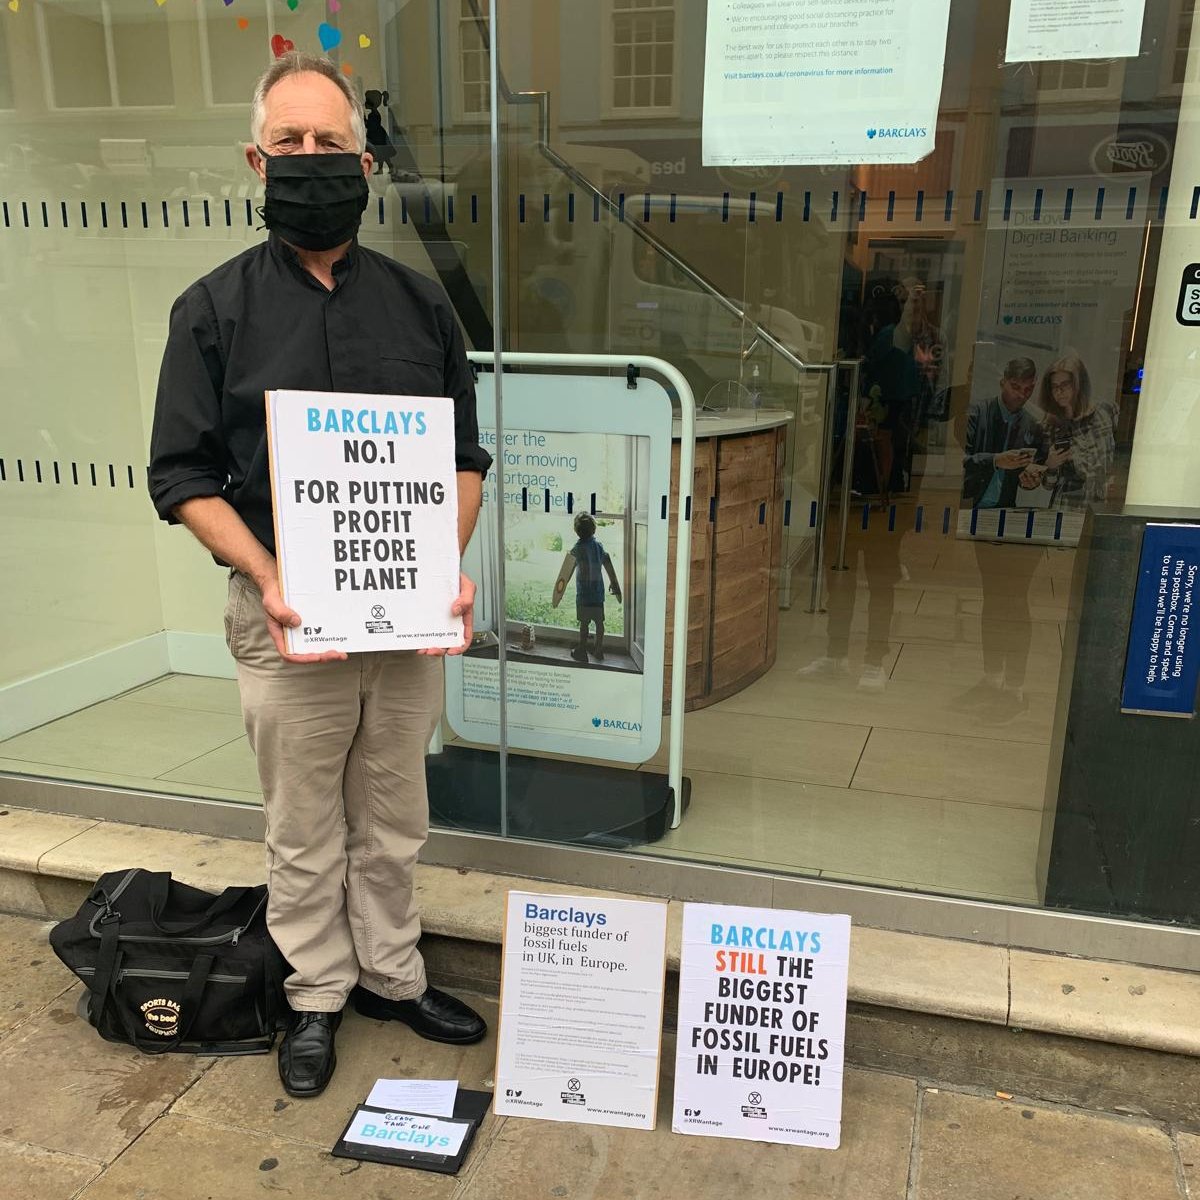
232, 57
106, 54
6, 94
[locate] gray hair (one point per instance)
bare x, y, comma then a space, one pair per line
297, 63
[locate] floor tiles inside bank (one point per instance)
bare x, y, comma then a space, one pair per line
883, 746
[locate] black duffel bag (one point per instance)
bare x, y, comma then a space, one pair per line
172, 968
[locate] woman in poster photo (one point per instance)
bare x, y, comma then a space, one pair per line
1080, 436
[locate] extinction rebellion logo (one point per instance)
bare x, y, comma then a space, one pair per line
377, 624
161, 1016
574, 1093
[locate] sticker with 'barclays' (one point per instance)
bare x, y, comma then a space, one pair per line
406, 1131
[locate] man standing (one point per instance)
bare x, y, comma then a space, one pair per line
1002, 440
339, 741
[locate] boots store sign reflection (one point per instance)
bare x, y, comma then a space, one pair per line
1135, 151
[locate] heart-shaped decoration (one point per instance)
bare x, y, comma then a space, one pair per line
281, 45
347, 69
14, 5
329, 37
335, 6
228, 3
293, 4
243, 23
363, 41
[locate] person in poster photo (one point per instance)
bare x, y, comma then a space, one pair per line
1080, 434
1003, 440
588, 561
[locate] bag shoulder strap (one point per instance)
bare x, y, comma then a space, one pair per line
229, 899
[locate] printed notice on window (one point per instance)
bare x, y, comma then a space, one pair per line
1057, 29
1162, 660
822, 82
365, 501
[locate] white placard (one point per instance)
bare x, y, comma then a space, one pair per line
807, 82
366, 519
1061, 29
581, 1009
407, 1131
434, 1097
762, 1025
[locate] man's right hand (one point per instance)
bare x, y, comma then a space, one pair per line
279, 617
1011, 460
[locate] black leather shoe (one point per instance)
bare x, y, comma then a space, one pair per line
434, 1015
306, 1055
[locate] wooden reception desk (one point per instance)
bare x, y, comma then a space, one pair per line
733, 605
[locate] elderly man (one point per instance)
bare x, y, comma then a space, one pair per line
339, 741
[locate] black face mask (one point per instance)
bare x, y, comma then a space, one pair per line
314, 201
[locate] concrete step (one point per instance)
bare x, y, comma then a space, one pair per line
1099, 1035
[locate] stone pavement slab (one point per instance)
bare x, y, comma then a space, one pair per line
989, 1149
25, 835
66, 1090
1189, 1157
932, 975
30, 1173
590, 1162
204, 862
1106, 1000
246, 1092
182, 1158
30, 973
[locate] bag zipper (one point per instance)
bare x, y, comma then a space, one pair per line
219, 939
138, 973
125, 882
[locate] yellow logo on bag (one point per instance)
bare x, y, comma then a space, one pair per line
162, 1016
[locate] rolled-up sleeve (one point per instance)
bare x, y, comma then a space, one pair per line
469, 455
188, 455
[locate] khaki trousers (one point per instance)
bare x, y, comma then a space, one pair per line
340, 748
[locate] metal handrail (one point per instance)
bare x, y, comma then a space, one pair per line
541, 99
639, 229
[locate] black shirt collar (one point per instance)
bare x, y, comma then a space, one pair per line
286, 255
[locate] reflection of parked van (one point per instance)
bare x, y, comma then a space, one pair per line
589, 283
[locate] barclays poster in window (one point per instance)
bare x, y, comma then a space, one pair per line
583, 544
812, 83
1061, 266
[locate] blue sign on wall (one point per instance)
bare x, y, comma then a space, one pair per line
1162, 664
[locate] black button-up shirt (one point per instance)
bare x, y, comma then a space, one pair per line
260, 323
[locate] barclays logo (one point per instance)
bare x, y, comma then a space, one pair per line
899, 131
623, 726
1033, 319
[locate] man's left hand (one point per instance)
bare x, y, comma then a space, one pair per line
463, 606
